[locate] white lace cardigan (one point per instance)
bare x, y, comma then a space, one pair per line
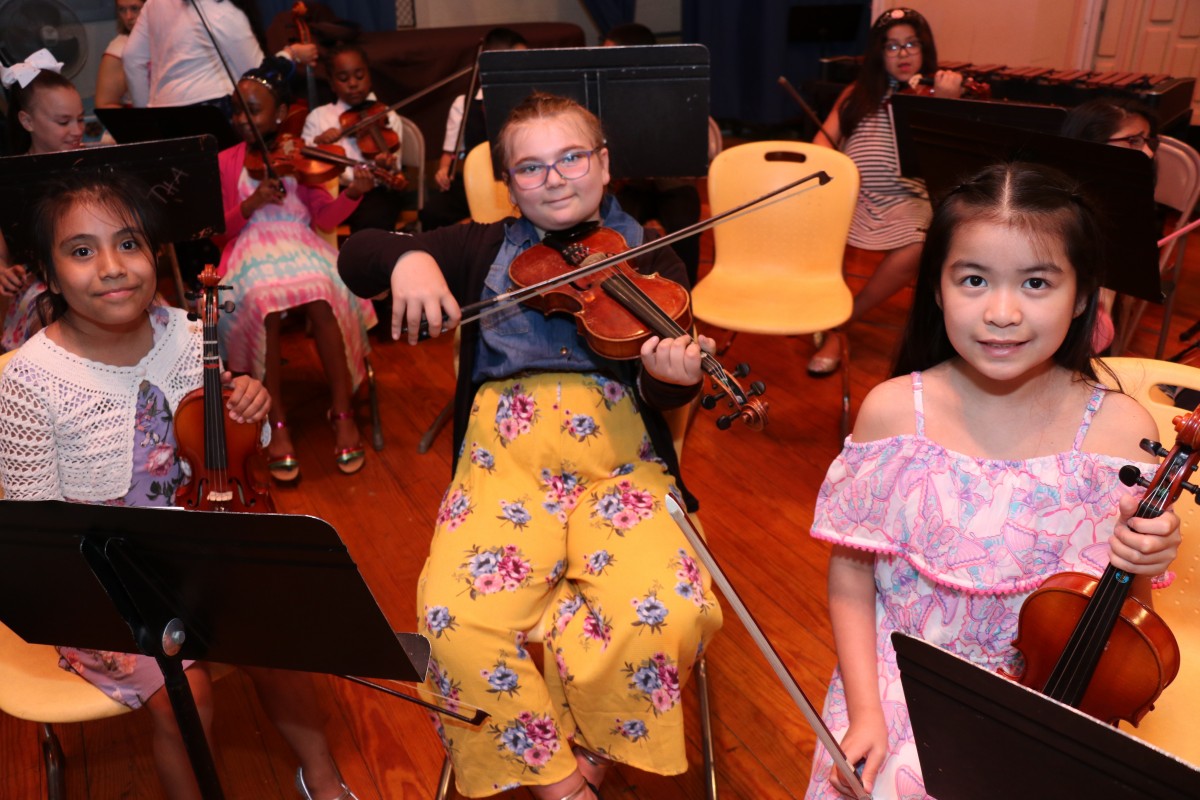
67, 423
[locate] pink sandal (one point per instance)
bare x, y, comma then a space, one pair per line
349, 459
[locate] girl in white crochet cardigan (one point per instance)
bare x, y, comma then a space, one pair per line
86, 410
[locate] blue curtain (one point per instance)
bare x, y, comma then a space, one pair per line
377, 15
608, 14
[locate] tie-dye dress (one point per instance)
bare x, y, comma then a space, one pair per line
275, 261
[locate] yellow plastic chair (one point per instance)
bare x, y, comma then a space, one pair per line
1172, 724
778, 268
487, 197
34, 688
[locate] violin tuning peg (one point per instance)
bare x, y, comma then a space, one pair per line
741, 370
1153, 448
193, 316
1132, 476
757, 388
192, 295
709, 402
228, 307
1193, 488
724, 421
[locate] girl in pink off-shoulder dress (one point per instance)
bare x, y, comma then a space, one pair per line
988, 463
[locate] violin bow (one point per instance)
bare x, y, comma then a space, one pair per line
500, 302
476, 719
675, 508
258, 137
812, 115
459, 155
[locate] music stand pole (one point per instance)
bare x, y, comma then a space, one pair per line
164, 649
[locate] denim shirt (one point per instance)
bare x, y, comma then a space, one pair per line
520, 338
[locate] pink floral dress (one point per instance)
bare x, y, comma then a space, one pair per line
959, 542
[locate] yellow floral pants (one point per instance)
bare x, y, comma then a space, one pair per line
556, 510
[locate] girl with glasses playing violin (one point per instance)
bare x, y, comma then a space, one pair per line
892, 211
562, 460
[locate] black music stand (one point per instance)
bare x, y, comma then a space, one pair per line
181, 174
132, 125
984, 737
945, 150
652, 100
267, 590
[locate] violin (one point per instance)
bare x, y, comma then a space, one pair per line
369, 122
298, 112
971, 89
618, 308
311, 165
1086, 641
219, 451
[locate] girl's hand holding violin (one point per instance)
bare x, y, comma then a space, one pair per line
249, 401
419, 291
947, 83
13, 280
330, 136
676, 361
269, 191
1144, 546
364, 182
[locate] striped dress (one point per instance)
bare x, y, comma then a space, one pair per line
892, 211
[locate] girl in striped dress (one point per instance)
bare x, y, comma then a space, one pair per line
275, 262
892, 211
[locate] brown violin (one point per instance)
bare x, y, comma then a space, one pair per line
618, 308
971, 89
1086, 641
298, 111
219, 452
370, 125
311, 165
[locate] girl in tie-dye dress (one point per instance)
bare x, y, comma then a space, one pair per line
989, 463
275, 262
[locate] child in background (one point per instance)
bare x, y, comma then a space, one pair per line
45, 116
1121, 122
350, 77
87, 415
556, 501
275, 262
450, 204
989, 463
892, 211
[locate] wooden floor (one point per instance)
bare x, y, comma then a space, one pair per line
757, 491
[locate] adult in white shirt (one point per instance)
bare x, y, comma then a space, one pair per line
110, 79
170, 59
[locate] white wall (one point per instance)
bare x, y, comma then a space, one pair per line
1019, 33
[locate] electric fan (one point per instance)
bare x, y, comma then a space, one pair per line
29, 25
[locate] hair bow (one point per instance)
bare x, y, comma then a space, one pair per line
25, 71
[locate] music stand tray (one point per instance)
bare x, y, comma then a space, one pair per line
981, 736
949, 149
133, 125
652, 100
181, 174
